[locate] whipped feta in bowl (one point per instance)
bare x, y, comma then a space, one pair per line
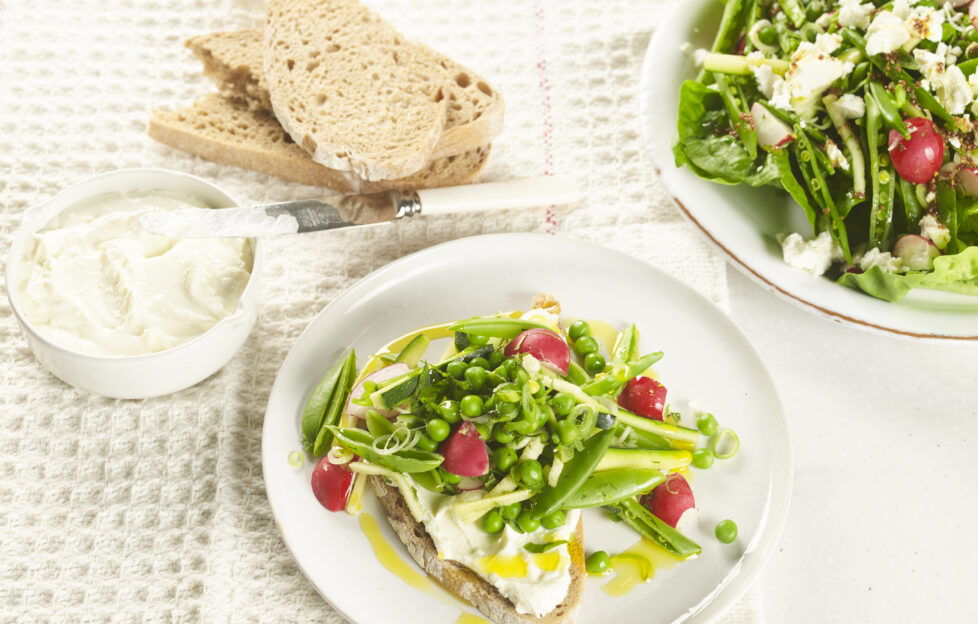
113, 309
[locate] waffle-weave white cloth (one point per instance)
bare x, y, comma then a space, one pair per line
155, 510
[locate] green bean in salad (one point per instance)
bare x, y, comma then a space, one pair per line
864, 112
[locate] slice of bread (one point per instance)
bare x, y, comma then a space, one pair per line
462, 581
351, 90
228, 132
474, 114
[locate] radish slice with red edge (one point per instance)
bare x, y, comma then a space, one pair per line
968, 180
670, 499
973, 13
644, 397
916, 252
382, 375
331, 484
543, 344
465, 452
467, 484
772, 133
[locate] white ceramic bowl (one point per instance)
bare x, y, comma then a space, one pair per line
152, 374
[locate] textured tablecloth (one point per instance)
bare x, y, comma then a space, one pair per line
155, 510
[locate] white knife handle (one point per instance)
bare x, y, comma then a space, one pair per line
523, 193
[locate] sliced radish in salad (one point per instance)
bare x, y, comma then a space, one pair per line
543, 344
644, 396
918, 158
916, 252
772, 133
465, 452
467, 484
972, 12
670, 499
382, 375
331, 484
968, 180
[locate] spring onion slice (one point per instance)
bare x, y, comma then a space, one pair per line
725, 444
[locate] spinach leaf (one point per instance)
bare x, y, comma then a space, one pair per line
723, 158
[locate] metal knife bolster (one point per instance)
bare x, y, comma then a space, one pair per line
337, 212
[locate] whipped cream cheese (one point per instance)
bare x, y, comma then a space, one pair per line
535, 583
94, 281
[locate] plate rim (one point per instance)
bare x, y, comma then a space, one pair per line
754, 274
740, 577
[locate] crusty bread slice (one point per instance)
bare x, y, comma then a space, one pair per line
226, 131
351, 90
474, 114
465, 583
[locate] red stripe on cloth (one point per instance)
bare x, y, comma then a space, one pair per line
548, 126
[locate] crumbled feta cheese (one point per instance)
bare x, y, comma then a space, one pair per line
813, 69
934, 231
891, 29
948, 82
853, 14
930, 197
882, 259
699, 55
814, 256
954, 141
973, 82
686, 47
852, 106
764, 76
836, 157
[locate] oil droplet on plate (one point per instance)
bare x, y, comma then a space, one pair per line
468, 618
637, 565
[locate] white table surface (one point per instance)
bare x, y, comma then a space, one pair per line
882, 525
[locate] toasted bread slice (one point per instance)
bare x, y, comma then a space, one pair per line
351, 90
473, 118
465, 583
228, 132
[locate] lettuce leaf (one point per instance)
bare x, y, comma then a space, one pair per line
956, 273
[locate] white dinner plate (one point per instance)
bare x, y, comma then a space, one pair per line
743, 221
707, 359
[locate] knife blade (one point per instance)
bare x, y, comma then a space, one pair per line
342, 211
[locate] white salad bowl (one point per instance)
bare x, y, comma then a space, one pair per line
151, 374
744, 222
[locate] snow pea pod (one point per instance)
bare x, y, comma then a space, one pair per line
612, 486
407, 460
612, 382
888, 111
672, 436
575, 472
643, 521
626, 346
319, 400
497, 326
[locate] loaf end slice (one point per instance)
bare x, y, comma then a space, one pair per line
228, 132
350, 90
465, 583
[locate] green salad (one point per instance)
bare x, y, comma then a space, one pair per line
864, 113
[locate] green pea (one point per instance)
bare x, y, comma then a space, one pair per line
703, 458
475, 376
768, 35
562, 403
437, 429
726, 531
478, 341
597, 562
504, 457
511, 511
594, 363
553, 521
707, 424
448, 477
426, 444
496, 358
578, 330
448, 411
530, 472
481, 362
586, 345
492, 522
502, 436
471, 405
457, 368
566, 432
527, 522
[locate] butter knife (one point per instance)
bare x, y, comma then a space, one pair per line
341, 211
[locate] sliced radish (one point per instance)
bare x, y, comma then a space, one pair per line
670, 499
644, 396
331, 484
916, 252
388, 372
467, 484
543, 344
973, 13
968, 180
465, 452
772, 133
918, 158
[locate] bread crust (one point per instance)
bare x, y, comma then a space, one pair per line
462, 581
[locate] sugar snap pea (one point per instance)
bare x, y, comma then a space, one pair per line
575, 472
654, 529
315, 408
888, 111
612, 486
497, 326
